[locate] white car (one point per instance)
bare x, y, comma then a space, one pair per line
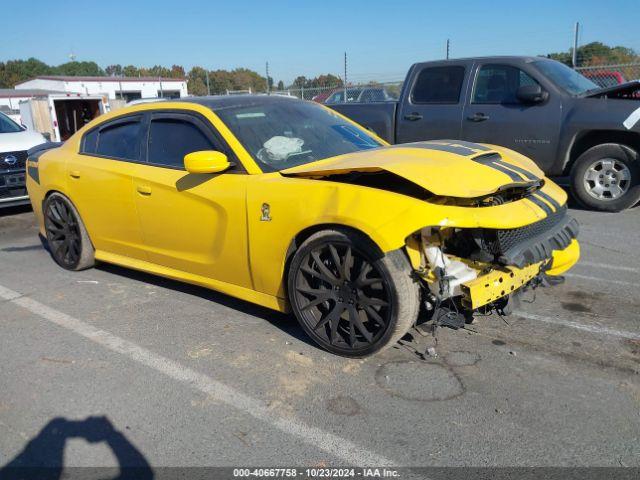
14, 143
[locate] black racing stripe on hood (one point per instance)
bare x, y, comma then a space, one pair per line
494, 161
456, 147
540, 203
549, 199
526, 173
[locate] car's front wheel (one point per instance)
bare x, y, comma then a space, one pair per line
349, 297
67, 238
607, 177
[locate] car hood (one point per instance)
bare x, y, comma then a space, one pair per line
444, 168
14, 142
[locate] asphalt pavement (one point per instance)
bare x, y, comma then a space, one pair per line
109, 365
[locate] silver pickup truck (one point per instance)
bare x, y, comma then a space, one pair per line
585, 135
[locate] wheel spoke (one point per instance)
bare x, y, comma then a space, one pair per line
354, 318
323, 269
346, 266
334, 314
592, 175
336, 261
615, 190
365, 268
371, 312
320, 275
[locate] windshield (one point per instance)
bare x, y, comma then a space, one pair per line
280, 135
7, 125
566, 78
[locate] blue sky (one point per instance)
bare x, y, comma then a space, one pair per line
305, 37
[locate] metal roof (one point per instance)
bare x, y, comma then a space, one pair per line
70, 78
25, 92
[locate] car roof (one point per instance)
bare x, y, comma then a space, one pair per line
222, 102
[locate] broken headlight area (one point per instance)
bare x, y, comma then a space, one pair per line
479, 269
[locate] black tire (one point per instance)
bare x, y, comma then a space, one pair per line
67, 237
348, 296
586, 177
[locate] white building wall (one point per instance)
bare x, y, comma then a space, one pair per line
148, 89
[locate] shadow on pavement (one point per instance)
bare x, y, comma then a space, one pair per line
43, 457
284, 322
9, 211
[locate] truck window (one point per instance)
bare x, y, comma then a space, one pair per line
499, 84
438, 85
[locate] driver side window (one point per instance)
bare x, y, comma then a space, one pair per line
170, 139
498, 84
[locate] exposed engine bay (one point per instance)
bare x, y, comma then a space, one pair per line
480, 269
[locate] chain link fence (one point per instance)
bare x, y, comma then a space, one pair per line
362, 93
611, 75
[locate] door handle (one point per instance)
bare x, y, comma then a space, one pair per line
74, 174
478, 117
412, 117
144, 189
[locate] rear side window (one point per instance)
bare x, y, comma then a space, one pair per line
438, 85
171, 139
120, 140
499, 84
90, 142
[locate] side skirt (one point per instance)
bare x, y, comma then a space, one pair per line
268, 301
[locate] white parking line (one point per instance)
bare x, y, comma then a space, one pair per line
347, 451
581, 326
608, 266
600, 279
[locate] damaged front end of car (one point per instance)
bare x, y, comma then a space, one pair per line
469, 270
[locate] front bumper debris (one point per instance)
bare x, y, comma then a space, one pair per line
497, 284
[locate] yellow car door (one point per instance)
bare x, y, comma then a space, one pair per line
193, 223
100, 185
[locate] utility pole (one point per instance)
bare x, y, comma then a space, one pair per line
268, 86
208, 87
345, 77
574, 56
447, 49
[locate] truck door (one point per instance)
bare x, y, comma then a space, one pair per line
493, 114
431, 107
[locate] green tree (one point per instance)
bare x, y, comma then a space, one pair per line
177, 72
280, 85
113, 70
13, 72
597, 53
197, 81
131, 71
79, 69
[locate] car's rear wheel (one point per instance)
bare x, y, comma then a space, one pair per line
67, 238
349, 297
607, 177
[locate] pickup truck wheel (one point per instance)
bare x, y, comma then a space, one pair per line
351, 299
607, 177
67, 238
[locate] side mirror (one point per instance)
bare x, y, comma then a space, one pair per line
206, 161
531, 94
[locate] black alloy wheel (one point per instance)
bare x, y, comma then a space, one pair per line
67, 237
344, 297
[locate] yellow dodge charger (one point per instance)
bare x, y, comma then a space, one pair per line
289, 205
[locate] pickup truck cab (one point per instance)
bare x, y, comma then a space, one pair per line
572, 128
